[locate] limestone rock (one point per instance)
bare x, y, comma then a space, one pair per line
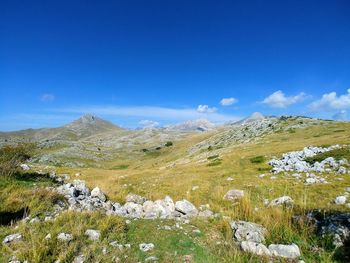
286, 251
93, 234
247, 231
234, 194
255, 248
185, 207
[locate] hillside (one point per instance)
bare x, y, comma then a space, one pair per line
260, 159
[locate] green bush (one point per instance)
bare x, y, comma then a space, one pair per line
257, 159
11, 156
168, 144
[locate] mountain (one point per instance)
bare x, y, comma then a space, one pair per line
87, 125
193, 125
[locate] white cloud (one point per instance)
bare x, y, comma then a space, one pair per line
330, 101
169, 115
228, 101
206, 109
148, 124
47, 97
279, 100
341, 115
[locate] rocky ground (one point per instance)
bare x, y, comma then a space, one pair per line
264, 191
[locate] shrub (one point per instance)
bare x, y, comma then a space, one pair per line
11, 156
257, 159
168, 144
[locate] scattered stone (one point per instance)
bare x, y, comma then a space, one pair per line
247, 231
64, 237
34, 220
48, 237
25, 167
234, 194
146, 247
285, 251
194, 188
340, 200
79, 259
229, 179
12, 238
283, 200
93, 234
151, 259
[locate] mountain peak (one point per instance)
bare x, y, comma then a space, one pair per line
256, 116
90, 124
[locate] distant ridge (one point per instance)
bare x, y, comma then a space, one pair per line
193, 125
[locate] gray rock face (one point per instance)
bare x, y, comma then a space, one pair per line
247, 231
234, 194
283, 200
255, 248
12, 238
64, 237
146, 247
186, 208
285, 251
96, 192
93, 234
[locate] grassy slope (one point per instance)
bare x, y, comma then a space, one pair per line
145, 177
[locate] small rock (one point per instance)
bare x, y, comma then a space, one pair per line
283, 200
11, 238
93, 234
234, 194
79, 259
340, 200
64, 237
146, 247
48, 237
286, 251
194, 188
151, 259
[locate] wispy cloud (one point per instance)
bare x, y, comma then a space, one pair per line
164, 114
330, 101
228, 101
206, 109
148, 124
47, 97
279, 100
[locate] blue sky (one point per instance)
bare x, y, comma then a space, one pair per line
147, 62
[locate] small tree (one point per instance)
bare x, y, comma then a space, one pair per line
11, 156
168, 144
